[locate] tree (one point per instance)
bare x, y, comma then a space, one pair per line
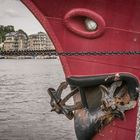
4, 30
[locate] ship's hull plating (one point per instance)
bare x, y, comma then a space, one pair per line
115, 46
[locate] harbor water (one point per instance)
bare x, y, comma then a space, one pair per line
24, 102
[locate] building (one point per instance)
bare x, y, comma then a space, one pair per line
16, 40
39, 41
1, 46
50, 45
9, 43
22, 40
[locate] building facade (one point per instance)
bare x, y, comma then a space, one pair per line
1, 46
50, 45
16, 40
9, 43
20, 41
39, 41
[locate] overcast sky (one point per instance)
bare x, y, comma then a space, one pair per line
13, 12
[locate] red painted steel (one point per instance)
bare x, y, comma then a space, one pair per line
121, 33
74, 22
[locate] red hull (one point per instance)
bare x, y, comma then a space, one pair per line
119, 31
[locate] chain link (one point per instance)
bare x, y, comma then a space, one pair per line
82, 53
98, 53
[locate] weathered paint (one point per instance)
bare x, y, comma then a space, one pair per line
122, 33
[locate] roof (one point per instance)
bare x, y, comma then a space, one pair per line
11, 34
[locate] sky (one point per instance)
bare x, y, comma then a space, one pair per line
14, 12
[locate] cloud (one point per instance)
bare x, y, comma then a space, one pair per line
10, 8
12, 13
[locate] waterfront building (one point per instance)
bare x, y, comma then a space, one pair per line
39, 41
16, 40
22, 40
1, 46
50, 45
9, 43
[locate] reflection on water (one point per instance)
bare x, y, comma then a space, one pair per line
24, 103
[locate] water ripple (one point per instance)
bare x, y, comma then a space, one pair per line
24, 103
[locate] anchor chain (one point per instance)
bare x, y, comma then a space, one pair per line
59, 105
98, 53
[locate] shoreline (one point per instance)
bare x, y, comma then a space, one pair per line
28, 57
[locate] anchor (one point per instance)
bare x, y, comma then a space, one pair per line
111, 104
59, 105
116, 104
115, 100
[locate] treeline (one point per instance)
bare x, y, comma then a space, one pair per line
4, 30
